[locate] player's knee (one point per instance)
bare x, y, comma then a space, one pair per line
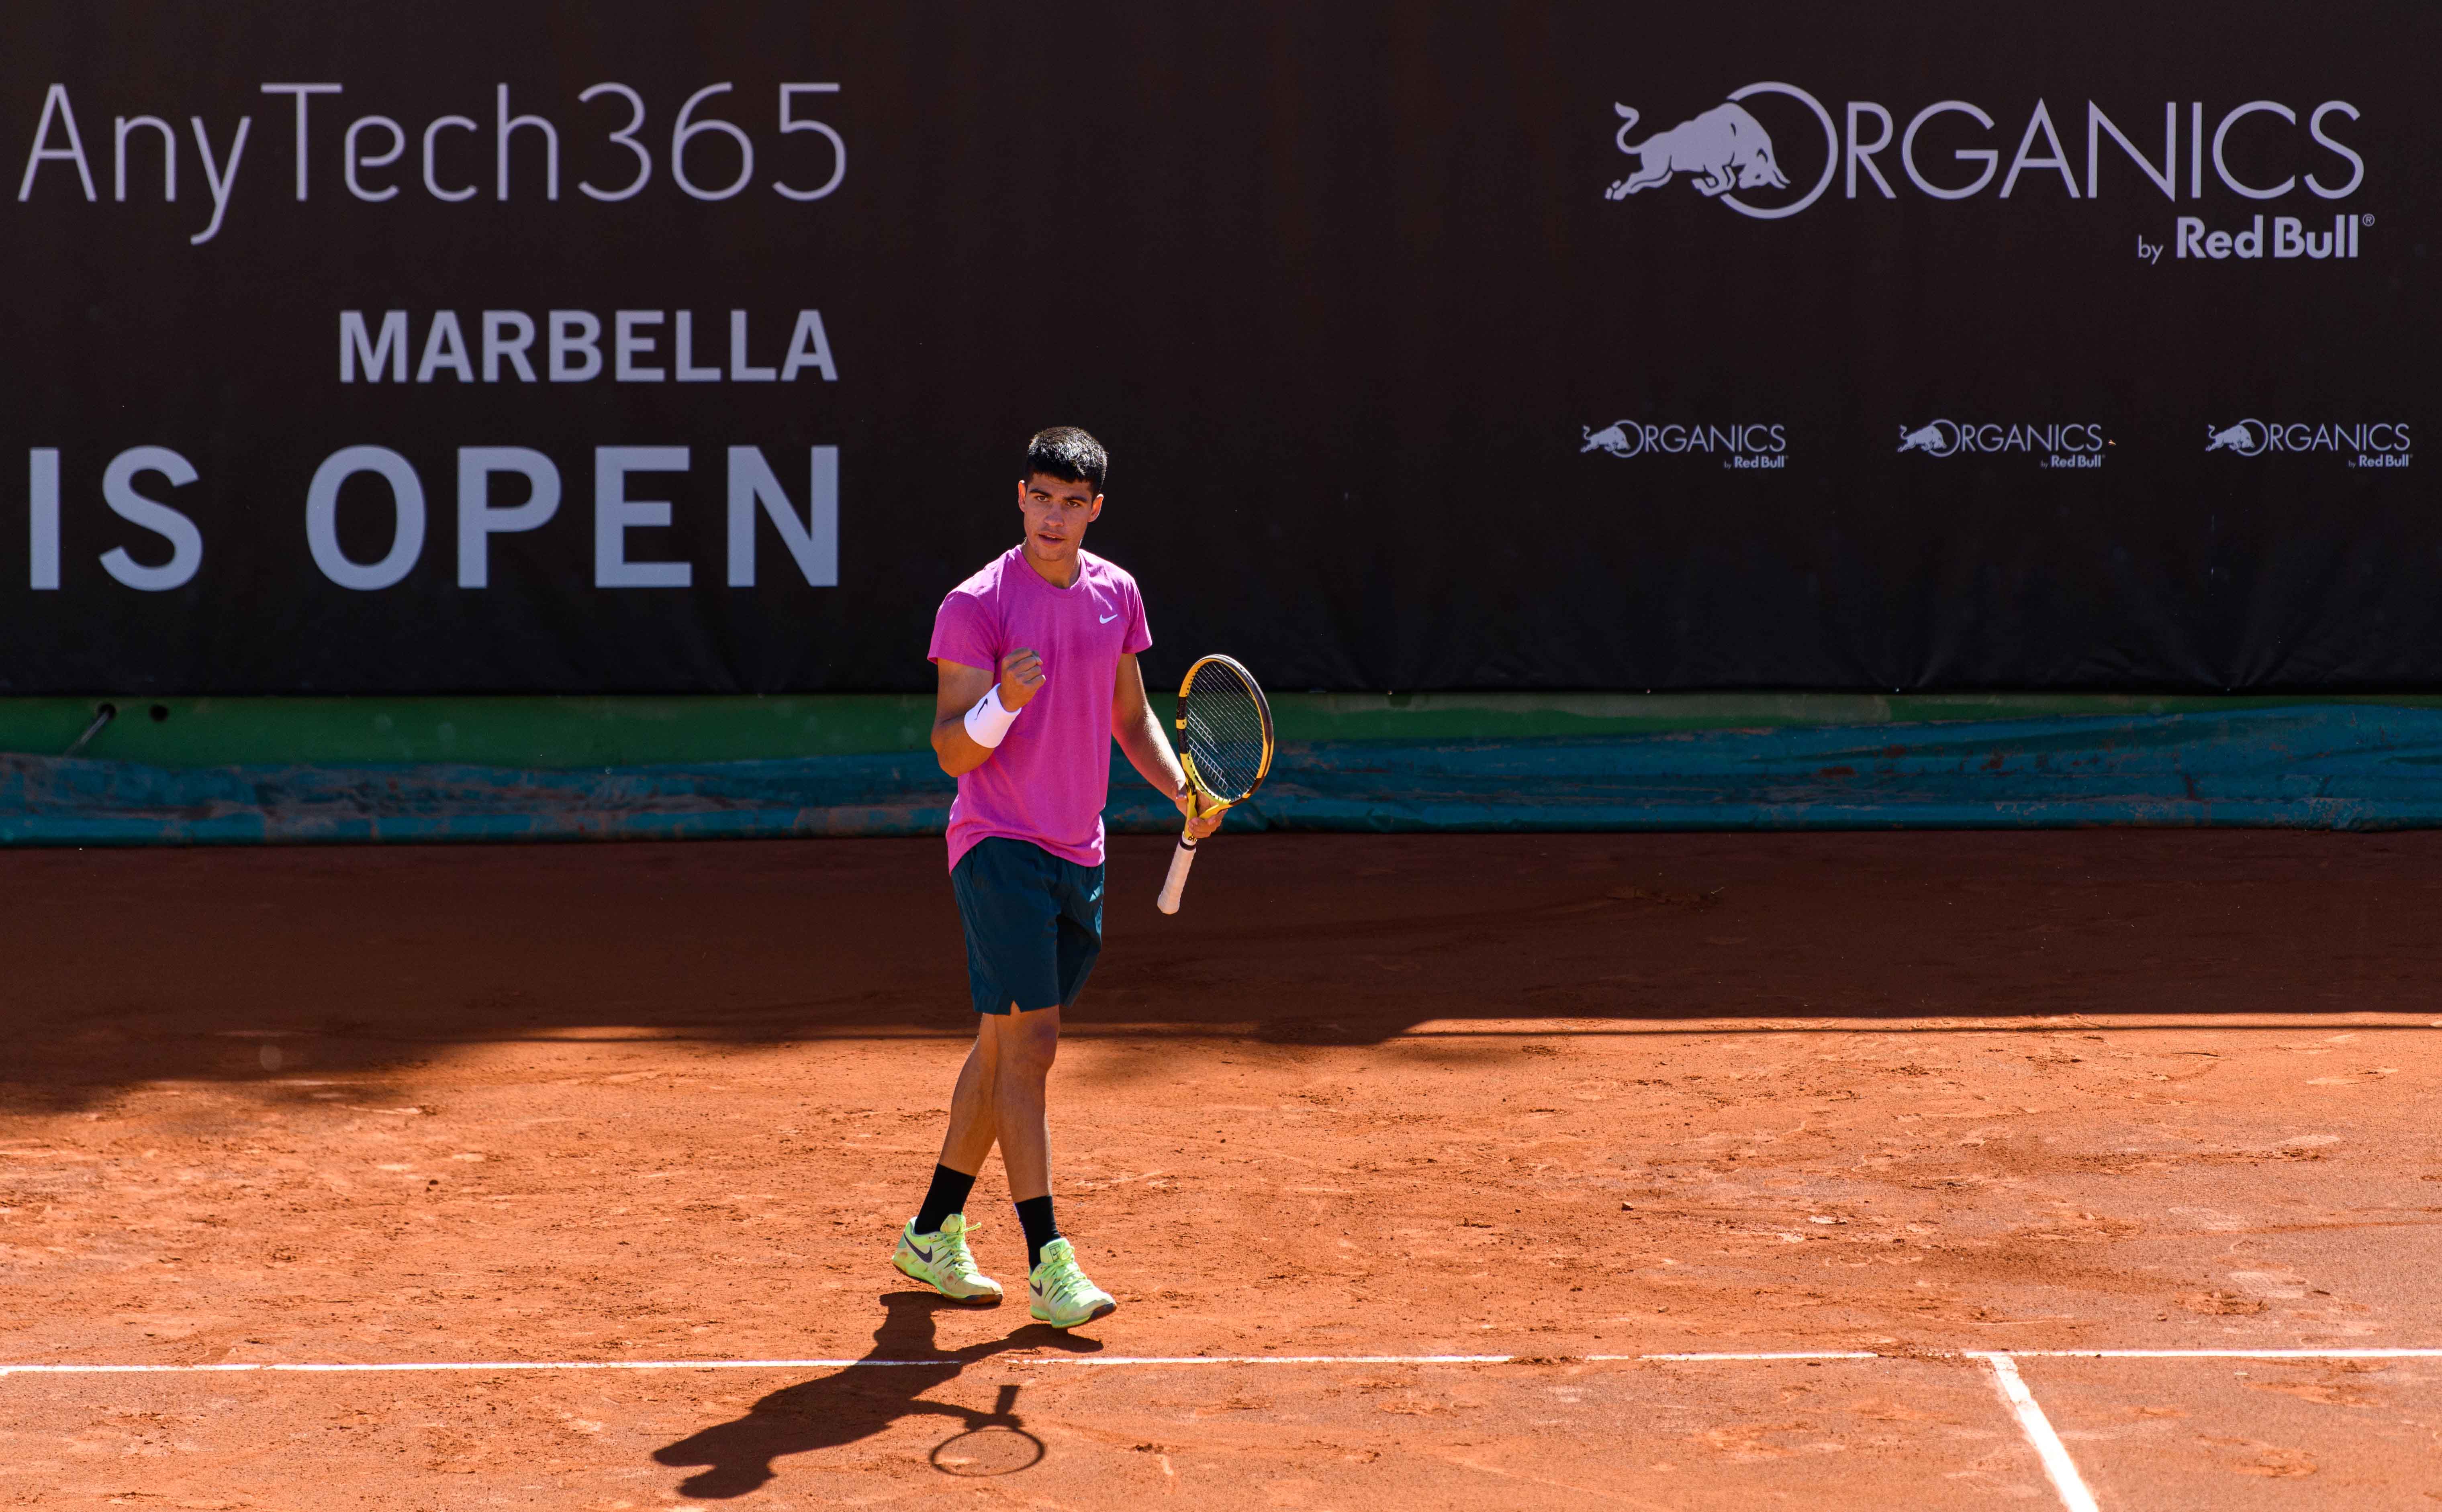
1034, 1061
1030, 1049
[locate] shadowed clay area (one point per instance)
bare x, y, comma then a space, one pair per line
247, 965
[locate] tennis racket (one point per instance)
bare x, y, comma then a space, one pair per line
1224, 743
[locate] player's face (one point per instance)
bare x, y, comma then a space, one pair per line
1057, 513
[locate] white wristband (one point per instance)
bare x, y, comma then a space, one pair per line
988, 722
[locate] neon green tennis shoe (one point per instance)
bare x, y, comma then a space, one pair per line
941, 1261
1059, 1294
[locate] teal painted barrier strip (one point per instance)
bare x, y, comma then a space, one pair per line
2326, 767
2340, 766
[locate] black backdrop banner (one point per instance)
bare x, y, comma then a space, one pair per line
636, 346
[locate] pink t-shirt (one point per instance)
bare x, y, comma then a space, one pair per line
1046, 781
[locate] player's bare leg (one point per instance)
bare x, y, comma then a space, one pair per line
1057, 1291
975, 1120
933, 1246
1029, 1043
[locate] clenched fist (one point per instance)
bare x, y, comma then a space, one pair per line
1021, 678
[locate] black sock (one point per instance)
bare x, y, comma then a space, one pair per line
948, 1196
1035, 1215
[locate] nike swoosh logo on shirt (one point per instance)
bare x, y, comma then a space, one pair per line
1107, 618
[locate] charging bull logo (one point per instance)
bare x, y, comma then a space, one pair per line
1939, 439
2246, 438
1727, 147
1611, 438
1725, 150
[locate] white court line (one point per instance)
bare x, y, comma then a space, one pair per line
2226, 1354
1105, 1360
1795, 1353
2038, 1428
1112, 1360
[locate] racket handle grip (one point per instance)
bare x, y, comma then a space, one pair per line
1175, 884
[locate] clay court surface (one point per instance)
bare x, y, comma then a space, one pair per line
1569, 1102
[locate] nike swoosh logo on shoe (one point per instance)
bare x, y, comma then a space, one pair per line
922, 1253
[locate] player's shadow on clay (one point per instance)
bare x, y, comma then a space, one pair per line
858, 1402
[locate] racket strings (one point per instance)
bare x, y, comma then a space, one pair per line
1227, 734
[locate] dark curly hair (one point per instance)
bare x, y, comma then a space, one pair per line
1067, 453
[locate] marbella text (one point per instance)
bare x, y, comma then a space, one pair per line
646, 346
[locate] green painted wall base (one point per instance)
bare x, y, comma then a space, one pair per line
560, 733
569, 734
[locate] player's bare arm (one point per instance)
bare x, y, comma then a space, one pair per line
961, 690
1137, 729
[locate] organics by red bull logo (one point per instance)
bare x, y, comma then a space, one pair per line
2374, 443
1957, 150
1744, 446
2074, 443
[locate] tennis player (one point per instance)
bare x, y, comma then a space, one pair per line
1037, 659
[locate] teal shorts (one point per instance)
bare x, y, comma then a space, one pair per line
1033, 923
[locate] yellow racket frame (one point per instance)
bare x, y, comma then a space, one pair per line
1203, 799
